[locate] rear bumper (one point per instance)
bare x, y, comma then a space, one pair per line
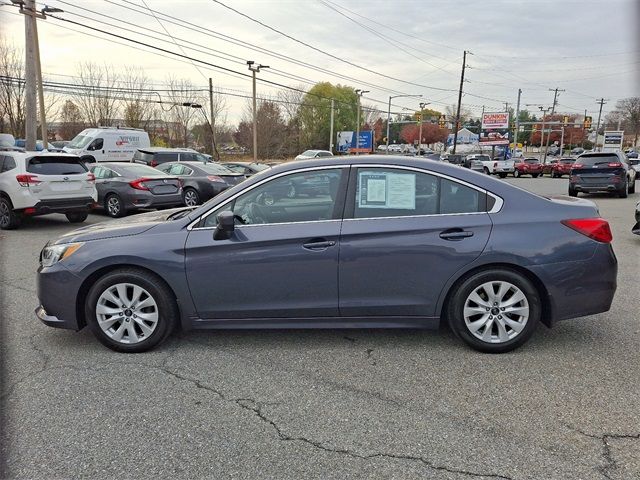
149, 200
44, 207
596, 187
581, 288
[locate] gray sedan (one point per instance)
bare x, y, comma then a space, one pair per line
393, 242
123, 187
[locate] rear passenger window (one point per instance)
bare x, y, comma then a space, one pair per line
55, 166
166, 157
188, 157
399, 193
9, 164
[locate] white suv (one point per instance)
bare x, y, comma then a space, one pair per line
37, 183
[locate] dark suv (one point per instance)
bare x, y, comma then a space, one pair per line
154, 156
602, 172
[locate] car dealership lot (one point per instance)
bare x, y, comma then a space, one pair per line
324, 404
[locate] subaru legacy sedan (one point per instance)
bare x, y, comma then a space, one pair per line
393, 242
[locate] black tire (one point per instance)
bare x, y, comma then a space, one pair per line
76, 217
9, 219
486, 171
516, 173
502, 175
462, 291
624, 192
534, 175
167, 308
114, 206
191, 195
573, 192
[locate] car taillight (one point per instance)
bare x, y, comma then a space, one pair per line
215, 178
139, 184
614, 164
91, 177
577, 165
595, 228
25, 180
153, 163
495, 164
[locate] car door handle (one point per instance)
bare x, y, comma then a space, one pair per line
318, 244
455, 234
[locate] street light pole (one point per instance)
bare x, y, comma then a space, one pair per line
359, 93
331, 126
389, 115
255, 68
422, 105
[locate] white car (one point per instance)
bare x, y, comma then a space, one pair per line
310, 154
108, 144
38, 183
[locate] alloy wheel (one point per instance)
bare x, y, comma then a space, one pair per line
496, 312
127, 313
5, 217
113, 206
190, 198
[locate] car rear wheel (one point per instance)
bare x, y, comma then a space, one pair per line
191, 197
494, 311
516, 173
9, 219
502, 175
573, 192
130, 310
624, 192
535, 175
113, 206
77, 217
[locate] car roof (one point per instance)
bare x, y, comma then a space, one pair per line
42, 153
165, 149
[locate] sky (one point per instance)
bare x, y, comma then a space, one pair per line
587, 48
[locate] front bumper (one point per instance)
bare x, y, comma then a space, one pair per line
52, 320
57, 290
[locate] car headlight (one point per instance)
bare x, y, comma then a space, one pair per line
52, 254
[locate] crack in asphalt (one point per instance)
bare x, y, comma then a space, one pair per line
611, 463
369, 356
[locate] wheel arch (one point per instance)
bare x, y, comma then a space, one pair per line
547, 308
83, 291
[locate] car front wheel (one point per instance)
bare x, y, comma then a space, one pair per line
130, 310
516, 173
624, 192
494, 311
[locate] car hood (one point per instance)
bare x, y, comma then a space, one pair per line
133, 225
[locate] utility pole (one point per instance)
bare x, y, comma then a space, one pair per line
212, 123
455, 135
553, 110
389, 117
359, 94
255, 69
422, 105
515, 133
584, 130
544, 114
602, 101
331, 126
43, 117
31, 109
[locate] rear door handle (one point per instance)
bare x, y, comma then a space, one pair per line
318, 244
456, 234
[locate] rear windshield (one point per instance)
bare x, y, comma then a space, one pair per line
598, 159
144, 156
216, 169
258, 167
482, 158
138, 170
567, 161
531, 160
56, 166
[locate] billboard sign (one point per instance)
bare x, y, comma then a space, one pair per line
495, 129
347, 142
613, 140
496, 120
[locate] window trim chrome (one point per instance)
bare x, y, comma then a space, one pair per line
191, 226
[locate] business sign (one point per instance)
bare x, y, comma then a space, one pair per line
496, 120
613, 140
347, 142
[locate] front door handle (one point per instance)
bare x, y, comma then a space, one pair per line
455, 234
318, 244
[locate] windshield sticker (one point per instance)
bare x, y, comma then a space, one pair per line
387, 190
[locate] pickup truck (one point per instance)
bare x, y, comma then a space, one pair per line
498, 167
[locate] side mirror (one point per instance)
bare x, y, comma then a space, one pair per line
226, 225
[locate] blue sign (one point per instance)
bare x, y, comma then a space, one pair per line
347, 142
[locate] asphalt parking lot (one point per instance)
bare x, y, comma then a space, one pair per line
323, 404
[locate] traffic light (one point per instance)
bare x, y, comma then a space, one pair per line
587, 122
534, 129
565, 120
442, 121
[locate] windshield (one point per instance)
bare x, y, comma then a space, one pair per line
216, 169
139, 170
258, 167
80, 141
568, 161
598, 159
309, 153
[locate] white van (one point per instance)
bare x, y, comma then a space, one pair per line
108, 144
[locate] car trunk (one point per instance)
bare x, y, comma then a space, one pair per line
599, 174
59, 177
233, 179
162, 185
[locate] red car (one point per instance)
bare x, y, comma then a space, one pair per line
527, 166
562, 167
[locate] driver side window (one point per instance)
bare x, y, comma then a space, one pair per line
298, 197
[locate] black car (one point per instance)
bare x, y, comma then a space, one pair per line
154, 156
602, 172
201, 181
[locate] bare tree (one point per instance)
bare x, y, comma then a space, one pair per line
630, 110
12, 87
181, 93
371, 114
98, 93
71, 121
137, 108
